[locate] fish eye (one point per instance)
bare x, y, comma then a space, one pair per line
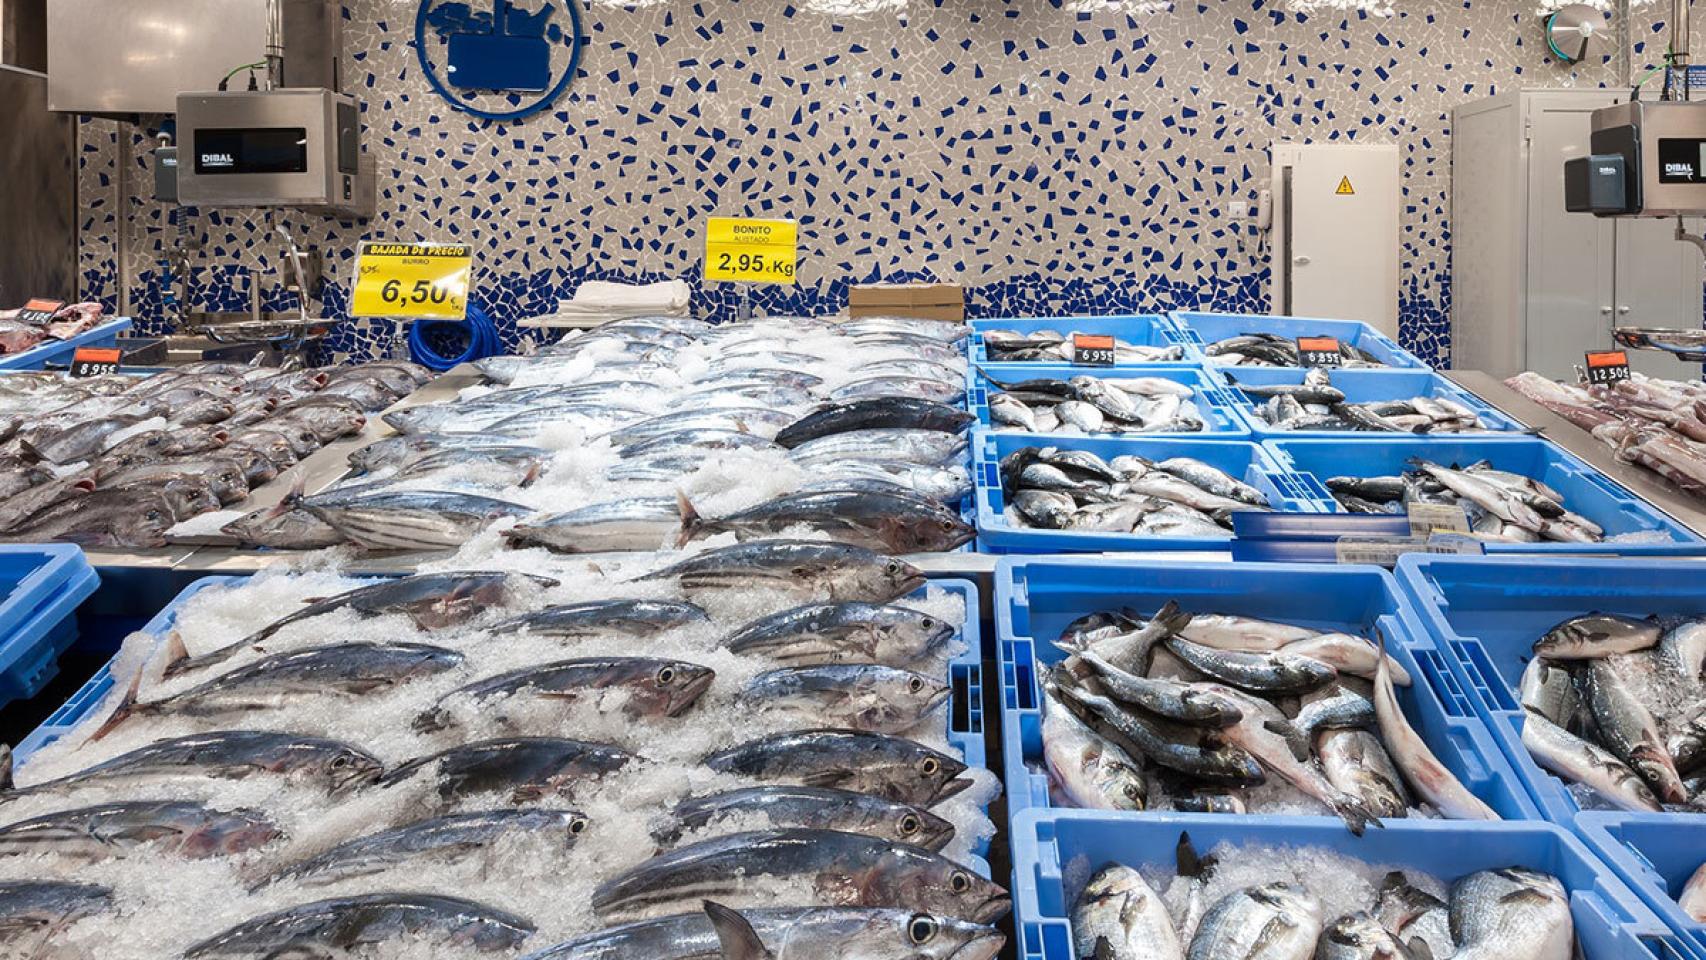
927, 623
909, 825
947, 524
338, 763
666, 675
915, 684
921, 928
930, 766
576, 825
1131, 792
893, 566
959, 882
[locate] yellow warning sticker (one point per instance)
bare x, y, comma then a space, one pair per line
1345, 188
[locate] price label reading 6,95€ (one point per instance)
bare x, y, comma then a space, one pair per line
413, 280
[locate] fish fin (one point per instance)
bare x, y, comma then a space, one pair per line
124, 711
734, 934
1189, 863
531, 475
1293, 738
1355, 814
1418, 949
1527, 895
30, 453
5, 767
690, 520
1171, 617
1104, 949
174, 653
431, 720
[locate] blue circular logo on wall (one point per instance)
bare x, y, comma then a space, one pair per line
499, 59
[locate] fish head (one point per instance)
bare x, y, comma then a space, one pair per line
941, 771
928, 692
1287, 898
921, 828
899, 578
238, 832
1115, 883
145, 524
1360, 933
922, 936
345, 768
677, 685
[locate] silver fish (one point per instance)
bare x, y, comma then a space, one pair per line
1120, 917
862, 696
448, 838
1356, 764
171, 828
1347, 653
1230, 632
638, 523
1512, 913
1358, 936
1429, 778
928, 447
1213, 479
892, 875
795, 933
1581, 761
411, 519
605, 618
1193, 750
523, 768
872, 763
328, 765
1683, 649
33, 913
647, 686
851, 632
1597, 635
1628, 728
1181, 702
1275, 921
814, 808
1087, 769
836, 571
1269, 673
896, 522
327, 928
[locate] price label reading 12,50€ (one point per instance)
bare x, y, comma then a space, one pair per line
751, 251
414, 280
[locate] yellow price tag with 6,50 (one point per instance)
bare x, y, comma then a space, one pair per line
414, 280
751, 251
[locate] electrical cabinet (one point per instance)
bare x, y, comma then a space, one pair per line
1534, 287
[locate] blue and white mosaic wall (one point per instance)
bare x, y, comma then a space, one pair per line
1053, 162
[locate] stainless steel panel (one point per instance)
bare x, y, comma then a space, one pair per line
321, 186
38, 194
23, 34
123, 57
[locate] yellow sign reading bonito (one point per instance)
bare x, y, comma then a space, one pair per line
415, 280
751, 251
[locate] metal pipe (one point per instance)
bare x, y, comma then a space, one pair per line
275, 44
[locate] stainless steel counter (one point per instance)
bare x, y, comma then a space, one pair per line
1681, 507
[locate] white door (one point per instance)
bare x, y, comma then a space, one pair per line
1339, 214
1570, 265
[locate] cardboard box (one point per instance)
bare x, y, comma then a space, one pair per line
927, 301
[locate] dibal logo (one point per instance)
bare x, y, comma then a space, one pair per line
503, 63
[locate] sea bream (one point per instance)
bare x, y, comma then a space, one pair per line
1274, 921
345, 926
1119, 916
889, 875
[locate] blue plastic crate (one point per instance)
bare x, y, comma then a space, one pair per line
1036, 599
1655, 854
965, 676
1243, 459
1486, 612
1359, 386
1585, 490
43, 584
59, 351
1211, 399
1204, 329
1141, 329
1611, 922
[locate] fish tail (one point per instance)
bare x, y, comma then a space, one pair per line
691, 522
735, 934
176, 656
531, 475
5, 769
1171, 617
991, 378
431, 720
127, 708
31, 454
1189, 863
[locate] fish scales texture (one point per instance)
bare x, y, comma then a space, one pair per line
345, 925
793, 933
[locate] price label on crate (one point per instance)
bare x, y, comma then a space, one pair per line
1319, 352
751, 251
1430, 518
1092, 350
423, 281
94, 361
38, 312
1607, 366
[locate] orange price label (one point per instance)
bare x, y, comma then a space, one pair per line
1319, 352
1093, 349
95, 361
1608, 358
1607, 366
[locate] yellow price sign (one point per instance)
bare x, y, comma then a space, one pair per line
751, 251
414, 280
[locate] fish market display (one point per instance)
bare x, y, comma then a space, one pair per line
1054, 488
17, 335
647, 433
649, 755
117, 461
1616, 705
1229, 714
1251, 901
1273, 350
1693, 898
1652, 423
1086, 404
1315, 404
1052, 346
1500, 505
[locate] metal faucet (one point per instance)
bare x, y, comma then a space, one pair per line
296, 268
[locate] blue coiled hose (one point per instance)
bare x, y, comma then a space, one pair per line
482, 337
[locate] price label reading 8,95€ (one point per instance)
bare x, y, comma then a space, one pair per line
413, 280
